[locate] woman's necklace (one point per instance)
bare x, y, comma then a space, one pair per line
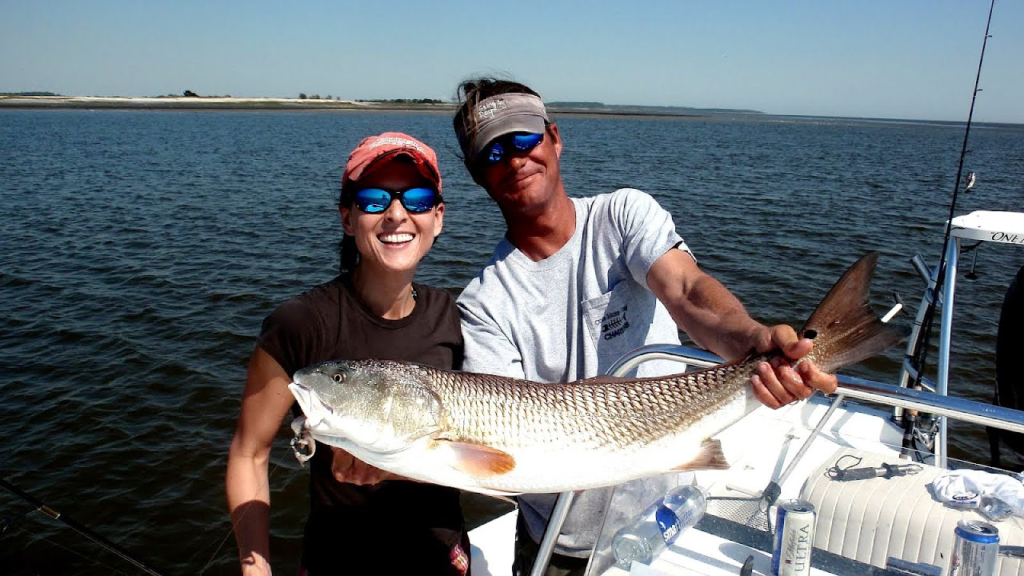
410, 303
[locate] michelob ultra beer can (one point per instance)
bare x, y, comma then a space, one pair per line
794, 535
976, 549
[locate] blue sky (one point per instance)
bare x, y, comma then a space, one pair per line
913, 59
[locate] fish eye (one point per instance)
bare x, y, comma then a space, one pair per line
338, 377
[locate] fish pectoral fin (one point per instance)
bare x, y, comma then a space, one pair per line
478, 460
710, 457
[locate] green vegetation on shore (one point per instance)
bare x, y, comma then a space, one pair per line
14, 94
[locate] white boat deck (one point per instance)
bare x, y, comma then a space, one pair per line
493, 545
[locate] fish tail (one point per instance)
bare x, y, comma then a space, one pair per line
844, 327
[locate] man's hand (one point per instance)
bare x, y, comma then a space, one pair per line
778, 382
347, 468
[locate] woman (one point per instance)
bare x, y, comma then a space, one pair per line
391, 212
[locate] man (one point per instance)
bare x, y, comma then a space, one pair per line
578, 282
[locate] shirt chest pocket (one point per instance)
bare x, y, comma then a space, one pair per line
618, 322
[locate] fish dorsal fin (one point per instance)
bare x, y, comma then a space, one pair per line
710, 457
478, 460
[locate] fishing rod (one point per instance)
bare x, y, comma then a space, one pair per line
71, 523
921, 346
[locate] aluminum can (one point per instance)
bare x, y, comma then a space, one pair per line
794, 536
976, 549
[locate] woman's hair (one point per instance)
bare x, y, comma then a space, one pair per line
471, 92
347, 245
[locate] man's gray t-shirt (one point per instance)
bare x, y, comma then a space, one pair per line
571, 316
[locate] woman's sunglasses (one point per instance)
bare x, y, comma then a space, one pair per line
497, 150
414, 200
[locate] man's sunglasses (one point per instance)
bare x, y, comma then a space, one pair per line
497, 150
414, 200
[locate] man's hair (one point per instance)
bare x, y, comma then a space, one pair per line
471, 92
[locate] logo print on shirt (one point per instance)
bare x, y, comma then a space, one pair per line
614, 323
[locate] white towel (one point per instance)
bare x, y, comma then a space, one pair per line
996, 495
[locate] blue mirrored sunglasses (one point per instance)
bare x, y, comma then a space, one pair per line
414, 200
510, 143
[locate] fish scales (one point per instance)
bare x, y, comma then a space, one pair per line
489, 408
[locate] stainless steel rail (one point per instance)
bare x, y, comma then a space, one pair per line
868, 390
949, 406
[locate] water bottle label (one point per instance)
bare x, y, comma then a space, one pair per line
668, 523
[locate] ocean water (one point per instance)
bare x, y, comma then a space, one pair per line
140, 251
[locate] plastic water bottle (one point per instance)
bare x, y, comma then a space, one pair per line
657, 528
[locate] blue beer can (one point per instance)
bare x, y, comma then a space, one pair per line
794, 537
976, 549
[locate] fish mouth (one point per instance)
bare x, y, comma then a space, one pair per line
311, 405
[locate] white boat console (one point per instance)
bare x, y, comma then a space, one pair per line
987, 226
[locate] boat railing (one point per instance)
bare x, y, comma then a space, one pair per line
851, 387
980, 226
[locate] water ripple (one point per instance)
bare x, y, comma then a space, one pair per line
142, 251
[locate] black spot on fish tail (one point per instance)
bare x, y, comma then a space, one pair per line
847, 329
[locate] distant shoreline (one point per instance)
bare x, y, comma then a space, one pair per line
578, 109
201, 103
309, 104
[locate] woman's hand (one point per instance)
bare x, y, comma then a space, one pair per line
347, 468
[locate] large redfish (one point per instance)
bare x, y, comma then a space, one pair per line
498, 435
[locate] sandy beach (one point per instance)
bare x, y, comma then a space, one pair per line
211, 102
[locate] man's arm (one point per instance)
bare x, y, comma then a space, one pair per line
716, 320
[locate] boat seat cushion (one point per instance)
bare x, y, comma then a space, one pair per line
872, 520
